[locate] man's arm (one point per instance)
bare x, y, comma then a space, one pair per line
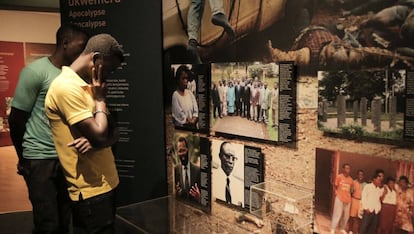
17, 121
24, 99
97, 129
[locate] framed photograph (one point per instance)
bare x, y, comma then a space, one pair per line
234, 168
347, 178
189, 93
192, 176
363, 104
253, 100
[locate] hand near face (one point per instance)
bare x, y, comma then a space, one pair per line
178, 188
99, 87
81, 144
195, 192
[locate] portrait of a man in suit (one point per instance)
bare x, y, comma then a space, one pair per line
228, 172
186, 173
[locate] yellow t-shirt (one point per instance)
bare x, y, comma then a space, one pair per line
69, 101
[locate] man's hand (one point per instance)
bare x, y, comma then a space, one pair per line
17, 122
81, 144
367, 211
20, 167
178, 188
195, 192
99, 88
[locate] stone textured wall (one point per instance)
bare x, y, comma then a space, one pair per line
298, 165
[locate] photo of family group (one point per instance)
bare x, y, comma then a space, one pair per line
355, 195
245, 99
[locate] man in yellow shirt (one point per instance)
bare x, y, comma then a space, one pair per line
75, 105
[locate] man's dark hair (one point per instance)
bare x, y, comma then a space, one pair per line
390, 178
375, 176
222, 148
345, 164
181, 69
68, 31
360, 170
379, 171
106, 45
405, 178
183, 139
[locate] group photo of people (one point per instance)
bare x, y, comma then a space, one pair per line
245, 99
363, 197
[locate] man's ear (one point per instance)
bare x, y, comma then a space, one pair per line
96, 55
65, 43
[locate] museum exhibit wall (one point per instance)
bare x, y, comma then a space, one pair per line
316, 156
322, 144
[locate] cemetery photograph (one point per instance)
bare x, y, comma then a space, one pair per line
363, 103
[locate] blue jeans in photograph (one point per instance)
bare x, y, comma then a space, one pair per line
195, 14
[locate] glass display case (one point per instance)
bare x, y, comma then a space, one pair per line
288, 207
169, 215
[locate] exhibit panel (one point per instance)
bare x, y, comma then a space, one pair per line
192, 169
254, 101
11, 61
134, 90
341, 76
409, 105
13, 57
369, 104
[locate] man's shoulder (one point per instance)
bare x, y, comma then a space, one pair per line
39, 63
62, 85
343, 177
41, 67
348, 179
370, 185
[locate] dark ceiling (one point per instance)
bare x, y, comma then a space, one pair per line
30, 5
